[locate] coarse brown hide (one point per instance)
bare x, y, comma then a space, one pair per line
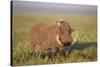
44, 36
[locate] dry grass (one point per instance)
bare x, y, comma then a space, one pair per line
84, 50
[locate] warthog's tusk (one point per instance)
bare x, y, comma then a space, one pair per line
76, 38
58, 41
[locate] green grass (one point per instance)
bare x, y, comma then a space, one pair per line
84, 50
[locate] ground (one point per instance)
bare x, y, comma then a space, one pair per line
83, 50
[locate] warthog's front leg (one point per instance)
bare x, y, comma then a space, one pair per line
63, 53
53, 51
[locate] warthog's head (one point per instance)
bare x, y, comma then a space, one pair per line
64, 37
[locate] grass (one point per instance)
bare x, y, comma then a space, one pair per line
84, 50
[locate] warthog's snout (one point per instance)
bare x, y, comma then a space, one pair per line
67, 44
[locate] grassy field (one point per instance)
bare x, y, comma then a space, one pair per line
84, 50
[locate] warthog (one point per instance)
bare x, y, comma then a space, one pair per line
44, 36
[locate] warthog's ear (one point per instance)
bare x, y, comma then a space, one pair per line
58, 23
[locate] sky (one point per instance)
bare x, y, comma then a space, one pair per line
43, 8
